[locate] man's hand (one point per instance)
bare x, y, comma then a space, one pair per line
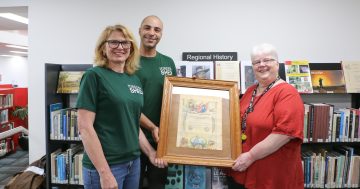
155, 134
157, 162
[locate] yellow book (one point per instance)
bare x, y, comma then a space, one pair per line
69, 81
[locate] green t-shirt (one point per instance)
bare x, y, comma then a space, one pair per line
117, 100
151, 74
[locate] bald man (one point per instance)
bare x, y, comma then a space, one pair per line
154, 67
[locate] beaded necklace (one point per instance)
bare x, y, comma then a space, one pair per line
251, 106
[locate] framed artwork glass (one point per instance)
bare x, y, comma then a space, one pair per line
200, 122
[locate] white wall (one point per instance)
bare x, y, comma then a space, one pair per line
14, 70
65, 32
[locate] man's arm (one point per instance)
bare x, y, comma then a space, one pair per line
146, 123
149, 151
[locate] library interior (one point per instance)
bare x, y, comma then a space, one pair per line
46, 48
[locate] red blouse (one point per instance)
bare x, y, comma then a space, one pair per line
280, 111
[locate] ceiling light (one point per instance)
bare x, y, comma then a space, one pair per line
6, 55
19, 52
17, 46
15, 17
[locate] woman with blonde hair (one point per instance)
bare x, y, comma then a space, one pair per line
109, 106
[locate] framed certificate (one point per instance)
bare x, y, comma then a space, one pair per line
200, 122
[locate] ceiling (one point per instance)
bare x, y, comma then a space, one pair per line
13, 27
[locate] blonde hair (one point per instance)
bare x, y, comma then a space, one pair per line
131, 63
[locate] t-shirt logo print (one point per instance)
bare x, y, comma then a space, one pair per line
165, 71
135, 89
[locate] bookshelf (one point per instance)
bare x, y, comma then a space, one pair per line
68, 100
11, 98
327, 158
6, 123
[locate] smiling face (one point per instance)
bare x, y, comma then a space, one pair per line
119, 54
150, 32
265, 66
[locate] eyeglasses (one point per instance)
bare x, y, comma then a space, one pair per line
115, 44
265, 61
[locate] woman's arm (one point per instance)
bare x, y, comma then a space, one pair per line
93, 148
262, 149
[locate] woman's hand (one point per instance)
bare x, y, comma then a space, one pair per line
108, 181
243, 162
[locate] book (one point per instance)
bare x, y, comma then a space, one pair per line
321, 122
69, 81
327, 78
218, 179
228, 70
54, 110
175, 177
201, 70
247, 75
195, 177
298, 75
7, 126
352, 76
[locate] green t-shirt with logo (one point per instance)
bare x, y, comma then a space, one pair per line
151, 74
117, 100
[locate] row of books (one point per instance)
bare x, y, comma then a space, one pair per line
338, 168
195, 177
321, 124
6, 100
304, 76
4, 116
324, 124
6, 146
63, 123
66, 166
6, 126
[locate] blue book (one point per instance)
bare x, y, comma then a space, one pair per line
58, 168
56, 106
342, 124
195, 177
64, 124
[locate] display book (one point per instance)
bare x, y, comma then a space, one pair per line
63, 145
327, 127
6, 123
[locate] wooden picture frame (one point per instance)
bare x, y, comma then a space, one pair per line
200, 122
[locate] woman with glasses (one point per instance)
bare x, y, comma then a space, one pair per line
272, 115
109, 106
